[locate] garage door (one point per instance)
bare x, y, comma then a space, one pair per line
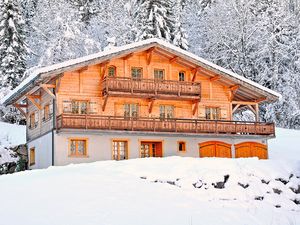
215, 149
251, 149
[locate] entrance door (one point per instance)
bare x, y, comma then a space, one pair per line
151, 149
215, 149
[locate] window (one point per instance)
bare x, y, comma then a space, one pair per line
159, 74
181, 146
79, 107
47, 112
111, 71
120, 150
33, 120
131, 110
181, 76
136, 73
78, 147
212, 113
166, 111
32, 157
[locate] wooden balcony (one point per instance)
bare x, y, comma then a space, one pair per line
150, 88
191, 126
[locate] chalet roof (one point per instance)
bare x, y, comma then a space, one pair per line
49, 72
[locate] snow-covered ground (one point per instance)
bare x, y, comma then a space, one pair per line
171, 190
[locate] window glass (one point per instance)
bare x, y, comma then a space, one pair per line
78, 147
32, 157
212, 113
120, 150
181, 146
136, 73
159, 74
112, 71
79, 107
131, 110
166, 111
181, 76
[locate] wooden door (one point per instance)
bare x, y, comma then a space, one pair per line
251, 149
151, 149
215, 149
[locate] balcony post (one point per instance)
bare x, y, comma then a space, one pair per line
154, 124
109, 123
86, 126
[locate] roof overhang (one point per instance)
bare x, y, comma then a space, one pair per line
45, 74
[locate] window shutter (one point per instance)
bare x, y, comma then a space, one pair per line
201, 111
50, 109
36, 118
67, 106
93, 108
224, 114
43, 113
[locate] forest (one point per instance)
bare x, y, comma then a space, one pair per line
258, 39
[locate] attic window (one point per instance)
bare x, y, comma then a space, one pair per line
181, 76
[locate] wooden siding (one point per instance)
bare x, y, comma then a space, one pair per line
42, 126
87, 84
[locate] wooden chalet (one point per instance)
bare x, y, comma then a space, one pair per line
146, 99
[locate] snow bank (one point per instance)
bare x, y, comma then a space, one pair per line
12, 134
165, 191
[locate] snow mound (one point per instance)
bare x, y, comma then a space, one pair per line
12, 134
171, 190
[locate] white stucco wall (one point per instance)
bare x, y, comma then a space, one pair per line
100, 145
43, 151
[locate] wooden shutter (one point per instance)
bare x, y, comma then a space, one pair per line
224, 113
36, 118
67, 106
93, 108
50, 109
201, 112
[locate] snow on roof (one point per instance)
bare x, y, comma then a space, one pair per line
37, 73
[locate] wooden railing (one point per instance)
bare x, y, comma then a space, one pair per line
194, 126
150, 86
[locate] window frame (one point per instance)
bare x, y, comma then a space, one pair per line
179, 78
131, 111
32, 156
79, 108
184, 146
165, 111
211, 113
163, 73
33, 123
115, 71
136, 78
76, 155
126, 141
49, 116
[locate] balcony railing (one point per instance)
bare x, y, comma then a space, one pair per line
150, 87
192, 126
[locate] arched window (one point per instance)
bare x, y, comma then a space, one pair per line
181, 76
112, 71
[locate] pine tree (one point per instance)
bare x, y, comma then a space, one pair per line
13, 50
154, 18
179, 33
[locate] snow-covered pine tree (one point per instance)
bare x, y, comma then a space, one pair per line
13, 50
179, 33
85, 8
154, 18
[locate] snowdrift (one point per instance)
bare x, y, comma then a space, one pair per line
172, 190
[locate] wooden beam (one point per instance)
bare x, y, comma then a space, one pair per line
234, 87
149, 55
32, 100
80, 70
243, 103
257, 113
260, 100
127, 56
235, 108
19, 107
151, 105
195, 107
46, 89
104, 103
175, 58
251, 108
215, 78
103, 69
194, 71
58, 81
